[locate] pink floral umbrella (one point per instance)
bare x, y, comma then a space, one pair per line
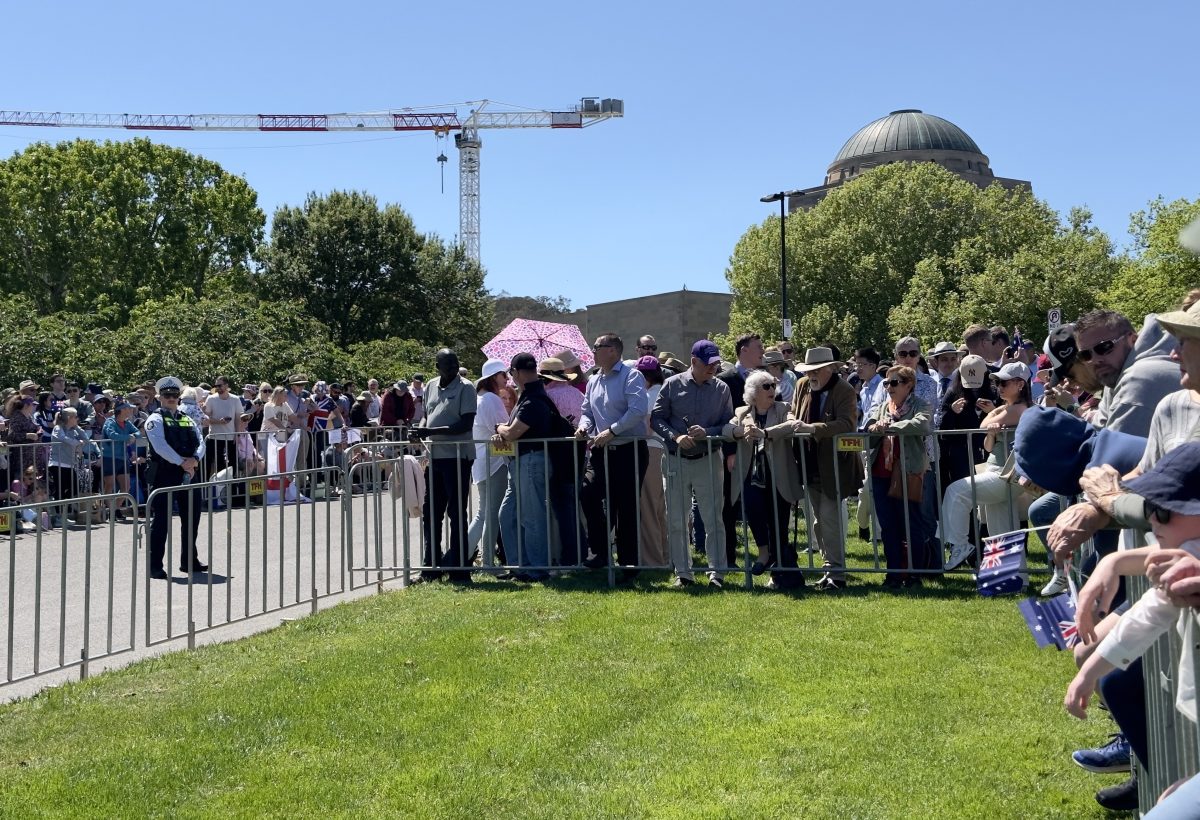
542, 339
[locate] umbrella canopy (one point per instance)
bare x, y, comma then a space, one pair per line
542, 339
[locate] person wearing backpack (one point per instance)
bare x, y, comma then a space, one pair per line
523, 524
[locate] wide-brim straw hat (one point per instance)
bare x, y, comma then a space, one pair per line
815, 358
1181, 323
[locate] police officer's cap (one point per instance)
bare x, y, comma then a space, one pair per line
168, 385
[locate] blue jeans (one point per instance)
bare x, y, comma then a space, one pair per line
1042, 513
526, 539
481, 537
1181, 805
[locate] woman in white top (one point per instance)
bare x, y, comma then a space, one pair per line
994, 495
489, 473
653, 499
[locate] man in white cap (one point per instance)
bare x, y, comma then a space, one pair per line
176, 448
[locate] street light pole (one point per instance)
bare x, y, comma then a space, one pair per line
781, 198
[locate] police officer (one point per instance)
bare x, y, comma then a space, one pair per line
176, 447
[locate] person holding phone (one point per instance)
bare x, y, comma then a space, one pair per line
222, 409
987, 490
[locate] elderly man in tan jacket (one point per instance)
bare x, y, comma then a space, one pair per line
823, 407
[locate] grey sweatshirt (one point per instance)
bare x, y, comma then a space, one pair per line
1148, 376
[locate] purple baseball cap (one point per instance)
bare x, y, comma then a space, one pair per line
706, 351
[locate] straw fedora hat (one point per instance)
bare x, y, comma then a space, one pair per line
815, 358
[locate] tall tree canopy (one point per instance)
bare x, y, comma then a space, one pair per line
911, 247
366, 273
1158, 271
539, 308
84, 224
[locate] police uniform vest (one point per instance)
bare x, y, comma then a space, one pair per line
180, 432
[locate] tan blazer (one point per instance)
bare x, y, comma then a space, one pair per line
838, 416
779, 452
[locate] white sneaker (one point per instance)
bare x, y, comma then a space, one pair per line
958, 554
1057, 585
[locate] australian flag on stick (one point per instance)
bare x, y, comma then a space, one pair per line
1052, 622
1002, 570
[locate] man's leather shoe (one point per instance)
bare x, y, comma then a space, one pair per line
680, 583
159, 574
196, 567
595, 562
1122, 797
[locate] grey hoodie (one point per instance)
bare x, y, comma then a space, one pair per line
1147, 376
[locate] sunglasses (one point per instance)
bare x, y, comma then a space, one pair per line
1102, 349
1002, 382
787, 351
72, 391
769, 386
1162, 515
647, 347
908, 354
894, 382
597, 347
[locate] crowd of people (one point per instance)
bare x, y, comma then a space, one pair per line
67, 443
1090, 439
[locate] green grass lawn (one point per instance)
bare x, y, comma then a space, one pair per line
573, 700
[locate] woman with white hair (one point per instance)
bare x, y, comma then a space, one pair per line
766, 477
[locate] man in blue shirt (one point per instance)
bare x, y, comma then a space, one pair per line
614, 409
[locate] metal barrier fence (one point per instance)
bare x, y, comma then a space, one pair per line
571, 518
267, 558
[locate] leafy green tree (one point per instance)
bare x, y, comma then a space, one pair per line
351, 264
1063, 268
84, 220
538, 308
366, 273
1158, 271
896, 250
388, 360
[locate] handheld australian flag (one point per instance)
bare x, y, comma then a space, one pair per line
1002, 569
1052, 622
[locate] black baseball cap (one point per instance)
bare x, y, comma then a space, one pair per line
523, 361
1061, 348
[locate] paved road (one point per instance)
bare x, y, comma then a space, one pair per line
86, 588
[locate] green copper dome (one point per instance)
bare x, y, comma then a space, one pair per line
907, 130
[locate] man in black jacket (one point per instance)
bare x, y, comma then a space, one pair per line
749, 351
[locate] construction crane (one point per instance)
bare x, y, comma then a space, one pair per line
589, 111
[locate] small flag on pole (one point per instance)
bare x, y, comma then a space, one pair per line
1052, 622
1002, 570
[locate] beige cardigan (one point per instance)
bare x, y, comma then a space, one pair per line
781, 460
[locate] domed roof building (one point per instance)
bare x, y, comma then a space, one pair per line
907, 135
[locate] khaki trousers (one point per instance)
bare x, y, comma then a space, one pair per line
829, 527
654, 513
705, 477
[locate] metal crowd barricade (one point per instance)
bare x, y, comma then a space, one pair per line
276, 556
51, 596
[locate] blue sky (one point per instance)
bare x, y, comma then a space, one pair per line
1095, 103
